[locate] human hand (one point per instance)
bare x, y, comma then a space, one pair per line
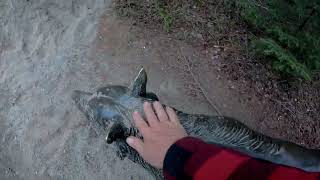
159, 132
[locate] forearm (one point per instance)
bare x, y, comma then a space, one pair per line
192, 158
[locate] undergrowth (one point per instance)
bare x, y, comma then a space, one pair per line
202, 22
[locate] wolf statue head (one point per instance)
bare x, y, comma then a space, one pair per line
111, 108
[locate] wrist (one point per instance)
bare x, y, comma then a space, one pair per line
176, 157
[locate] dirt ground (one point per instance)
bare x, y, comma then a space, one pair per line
50, 48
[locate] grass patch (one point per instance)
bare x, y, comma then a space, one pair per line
167, 19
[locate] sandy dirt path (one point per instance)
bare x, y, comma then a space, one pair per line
50, 48
44, 47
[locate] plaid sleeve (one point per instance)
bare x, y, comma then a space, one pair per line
191, 158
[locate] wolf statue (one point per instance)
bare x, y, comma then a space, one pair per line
111, 107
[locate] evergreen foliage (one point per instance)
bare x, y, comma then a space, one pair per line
287, 32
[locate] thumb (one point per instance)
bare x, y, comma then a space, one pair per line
135, 143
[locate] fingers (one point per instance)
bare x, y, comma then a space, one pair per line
150, 115
161, 113
172, 115
139, 122
136, 144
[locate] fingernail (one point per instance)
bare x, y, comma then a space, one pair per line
129, 141
135, 112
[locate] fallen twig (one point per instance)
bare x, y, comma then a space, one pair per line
205, 95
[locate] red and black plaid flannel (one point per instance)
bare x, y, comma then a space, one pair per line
191, 158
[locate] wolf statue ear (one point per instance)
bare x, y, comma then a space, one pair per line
138, 87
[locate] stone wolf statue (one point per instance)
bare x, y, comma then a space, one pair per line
111, 107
